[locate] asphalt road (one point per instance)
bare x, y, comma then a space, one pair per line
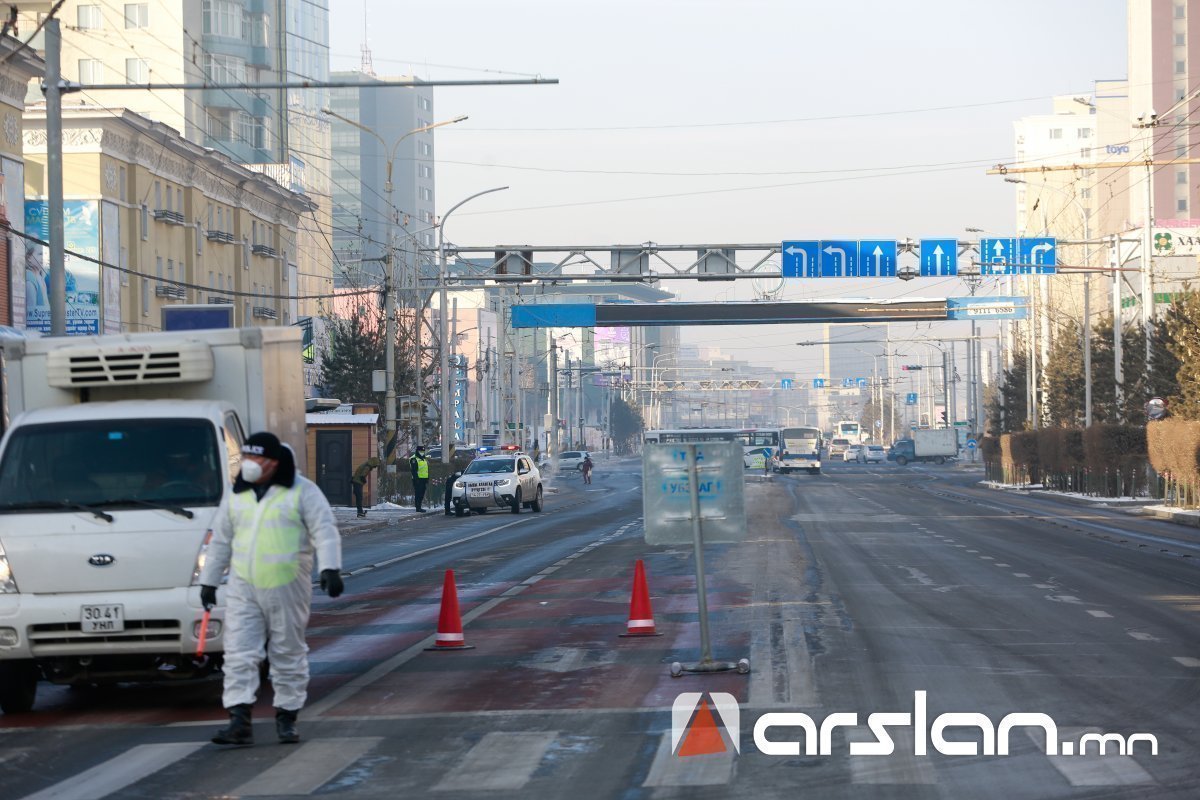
854, 592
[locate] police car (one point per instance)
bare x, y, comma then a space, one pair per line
503, 477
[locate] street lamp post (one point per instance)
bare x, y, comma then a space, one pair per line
390, 286
443, 350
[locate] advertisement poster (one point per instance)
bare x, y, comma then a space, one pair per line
82, 236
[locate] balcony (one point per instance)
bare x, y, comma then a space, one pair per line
219, 236
169, 217
172, 292
264, 250
264, 312
217, 300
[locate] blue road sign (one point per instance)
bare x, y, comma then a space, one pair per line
785, 383
877, 258
972, 444
800, 259
819, 383
910, 399
839, 258
860, 382
847, 383
987, 307
939, 257
1039, 256
998, 256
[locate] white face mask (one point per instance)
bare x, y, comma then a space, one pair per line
251, 471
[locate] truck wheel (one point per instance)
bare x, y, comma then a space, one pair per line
481, 510
459, 511
516, 503
901, 460
939, 460
536, 505
18, 685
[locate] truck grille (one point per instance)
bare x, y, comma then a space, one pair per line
136, 631
181, 362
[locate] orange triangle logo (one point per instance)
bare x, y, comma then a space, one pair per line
703, 736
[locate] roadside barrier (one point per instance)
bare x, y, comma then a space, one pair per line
641, 615
449, 629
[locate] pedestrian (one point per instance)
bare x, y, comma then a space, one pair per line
268, 535
419, 467
448, 494
358, 482
587, 469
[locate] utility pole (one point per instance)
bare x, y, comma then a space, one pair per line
1148, 254
53, 90
552, 432
1118, 344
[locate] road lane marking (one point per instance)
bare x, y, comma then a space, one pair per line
117, 773
901, 768
1092, 769
1187, 661
1043, 586
714, 769
499, 761
1020, 574
309, 768
998, 564
986, 558
1099, 614
972, 551
1142, 636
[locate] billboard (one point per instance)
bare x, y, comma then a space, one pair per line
81, 223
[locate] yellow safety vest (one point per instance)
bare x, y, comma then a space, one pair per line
422, 467
269, 536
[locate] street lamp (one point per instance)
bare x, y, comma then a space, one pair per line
443, 350
389, 365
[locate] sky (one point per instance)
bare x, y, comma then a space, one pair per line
739, 121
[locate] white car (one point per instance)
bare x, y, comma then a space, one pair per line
572, 459
507, 479
872, 453
851, 452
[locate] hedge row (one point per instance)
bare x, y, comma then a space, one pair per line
1174, 447
1104, 460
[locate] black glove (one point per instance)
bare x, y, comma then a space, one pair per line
208, 596
331, 582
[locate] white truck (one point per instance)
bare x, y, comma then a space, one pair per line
935, 444
118, 455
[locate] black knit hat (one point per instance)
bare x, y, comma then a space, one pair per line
264, 444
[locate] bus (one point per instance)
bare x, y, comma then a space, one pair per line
848, 429
801, 449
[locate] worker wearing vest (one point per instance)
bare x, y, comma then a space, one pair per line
273, 525
420, 476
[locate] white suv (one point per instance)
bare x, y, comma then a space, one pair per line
504, 480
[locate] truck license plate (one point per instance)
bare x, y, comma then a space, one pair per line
102, 619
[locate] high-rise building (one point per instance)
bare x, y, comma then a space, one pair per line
229, 43
360, 168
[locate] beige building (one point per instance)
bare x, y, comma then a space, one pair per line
19, 67
178, 222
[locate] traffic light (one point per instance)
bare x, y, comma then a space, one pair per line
942, 417
911, 367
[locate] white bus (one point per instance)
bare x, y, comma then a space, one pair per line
848, 429
753, 440
801, 449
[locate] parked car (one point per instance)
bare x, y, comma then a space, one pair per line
572, 459
872, 453
503, 480
852, 452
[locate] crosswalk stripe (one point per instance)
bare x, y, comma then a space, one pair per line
714, 769
1092, 769
500, 760
117, 773
901, 768
310, 767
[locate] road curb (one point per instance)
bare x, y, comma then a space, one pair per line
1112, 503
1180, 517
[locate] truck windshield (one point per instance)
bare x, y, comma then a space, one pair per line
123, 463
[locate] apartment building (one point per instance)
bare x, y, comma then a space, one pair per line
171, 222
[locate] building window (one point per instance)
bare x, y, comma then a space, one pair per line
179, 199
145, 297
121, 180
1181, 40
171, 270
426, 149
145, 222
1181, 177
219, 129
1181, 205
1181, 151
224, 69
91, 70
1083, 133
1056, 133
157, 196
137, 15
1085, 193
1181, 11
426, 171
158, 270
1180, 67
88, 18
137, 70
1085, 152
223, 18
427, 194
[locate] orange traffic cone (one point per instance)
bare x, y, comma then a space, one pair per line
449, 630
641, 616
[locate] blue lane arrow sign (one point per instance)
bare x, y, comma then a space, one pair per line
910, 399
1039, 256
819, 383
998, 256
860, 382
839, 258
800, 259
939, 257
785, 383
877, 258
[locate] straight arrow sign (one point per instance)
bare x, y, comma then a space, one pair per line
878, 257
939, 257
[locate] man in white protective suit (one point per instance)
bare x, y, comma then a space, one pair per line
275, 521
